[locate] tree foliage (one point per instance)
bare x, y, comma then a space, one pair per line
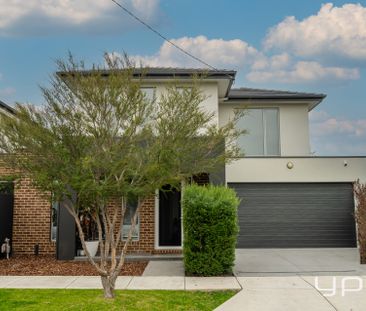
100, 138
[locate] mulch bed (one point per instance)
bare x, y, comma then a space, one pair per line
48, 265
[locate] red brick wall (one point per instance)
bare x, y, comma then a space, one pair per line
31, 219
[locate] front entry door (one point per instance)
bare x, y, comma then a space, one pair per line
170, 228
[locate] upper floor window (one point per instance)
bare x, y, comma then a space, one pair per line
263, 137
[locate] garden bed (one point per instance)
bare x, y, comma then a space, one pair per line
48, 265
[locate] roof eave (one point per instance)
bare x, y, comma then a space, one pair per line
312, 101
228, 74
312, 106
319, 97
7, 107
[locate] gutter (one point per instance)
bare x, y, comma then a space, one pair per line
7, 107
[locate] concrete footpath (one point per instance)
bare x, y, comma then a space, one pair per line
123, 282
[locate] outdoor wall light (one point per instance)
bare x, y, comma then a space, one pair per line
290, 165
345, 163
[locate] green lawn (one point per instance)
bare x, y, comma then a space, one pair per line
68, 299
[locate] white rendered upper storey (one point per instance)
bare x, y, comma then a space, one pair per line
276, 121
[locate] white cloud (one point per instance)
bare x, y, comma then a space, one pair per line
238, 54
275, 62
279, 70
339, 31
337, 136
324, 124
217, 52
43, 16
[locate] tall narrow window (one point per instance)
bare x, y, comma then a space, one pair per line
54, 220
127, 221
263, 138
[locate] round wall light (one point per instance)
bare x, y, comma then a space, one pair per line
290, 165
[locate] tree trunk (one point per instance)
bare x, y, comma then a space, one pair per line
108, 283
108, 247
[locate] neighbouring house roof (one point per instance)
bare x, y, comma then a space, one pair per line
265, 95
6, 107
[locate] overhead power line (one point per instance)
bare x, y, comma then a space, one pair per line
162, 36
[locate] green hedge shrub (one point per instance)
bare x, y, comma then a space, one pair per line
210, 227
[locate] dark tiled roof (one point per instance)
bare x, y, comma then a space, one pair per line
161, 72
249, 93
186, 71
7, 107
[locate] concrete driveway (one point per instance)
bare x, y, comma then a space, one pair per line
298, 280
297, 293
304, 261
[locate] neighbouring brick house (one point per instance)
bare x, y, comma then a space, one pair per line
31, 221
290, 198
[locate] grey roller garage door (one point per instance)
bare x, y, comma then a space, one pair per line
295, 215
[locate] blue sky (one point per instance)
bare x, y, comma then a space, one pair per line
297, 45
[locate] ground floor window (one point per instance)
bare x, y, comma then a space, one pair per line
127, 221
54, 220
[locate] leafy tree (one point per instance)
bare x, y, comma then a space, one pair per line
99, 138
